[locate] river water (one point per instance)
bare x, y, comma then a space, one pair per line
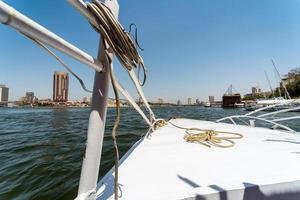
41, 149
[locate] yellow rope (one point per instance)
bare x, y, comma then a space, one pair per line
159, 123
208, 137
211, 138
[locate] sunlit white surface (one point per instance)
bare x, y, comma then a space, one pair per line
265, 164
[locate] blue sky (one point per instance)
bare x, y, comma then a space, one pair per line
193, 48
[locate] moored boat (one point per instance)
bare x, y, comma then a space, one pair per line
239, 105
273, 101
207, 104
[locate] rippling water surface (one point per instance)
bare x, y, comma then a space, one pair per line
41, 149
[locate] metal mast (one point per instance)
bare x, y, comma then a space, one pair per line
286, 93
267, 77
279, 91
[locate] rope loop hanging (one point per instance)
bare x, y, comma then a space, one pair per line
115, 35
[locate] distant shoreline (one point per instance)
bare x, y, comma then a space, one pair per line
88, 107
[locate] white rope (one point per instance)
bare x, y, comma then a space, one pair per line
141, 94
132, 102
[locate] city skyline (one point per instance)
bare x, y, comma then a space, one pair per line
234, 43
60, 93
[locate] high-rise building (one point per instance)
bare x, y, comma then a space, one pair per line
3, 95
189, 101
211, 99
255, 90
60, 86
29, 97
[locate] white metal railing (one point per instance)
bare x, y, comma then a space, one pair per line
273, 106
280, 111
270, 117
30, 28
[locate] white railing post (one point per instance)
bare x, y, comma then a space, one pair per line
95, 134
96, 126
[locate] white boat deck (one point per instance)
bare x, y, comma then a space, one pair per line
265, 164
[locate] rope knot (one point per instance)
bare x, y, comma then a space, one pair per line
159, 123
210, 137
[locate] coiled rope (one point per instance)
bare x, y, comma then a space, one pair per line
115, 35
208, 137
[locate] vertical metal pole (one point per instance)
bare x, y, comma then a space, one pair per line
96, 126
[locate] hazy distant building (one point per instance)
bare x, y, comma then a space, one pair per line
179, 103
85, 100
189, 101
60, 86
29, 97
255, 90
198, 101
160, 101
3, 95
211, 99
